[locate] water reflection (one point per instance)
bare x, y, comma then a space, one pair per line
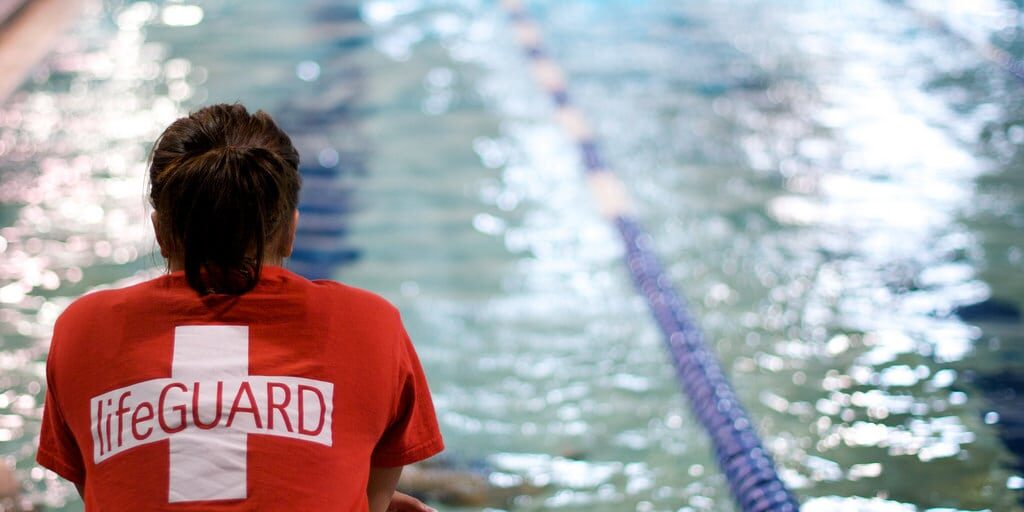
860, 258
72, 200
829, 183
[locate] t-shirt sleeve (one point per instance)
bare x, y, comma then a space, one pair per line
413, 434
58, 449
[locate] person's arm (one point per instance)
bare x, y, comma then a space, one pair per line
58, 450
401, 502
411, 434
381, 487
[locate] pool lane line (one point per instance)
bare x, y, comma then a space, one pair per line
990, 52
750, 470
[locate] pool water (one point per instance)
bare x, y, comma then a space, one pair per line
827, 182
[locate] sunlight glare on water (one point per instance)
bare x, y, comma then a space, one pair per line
826, 183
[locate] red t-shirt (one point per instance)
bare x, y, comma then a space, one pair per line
279, 399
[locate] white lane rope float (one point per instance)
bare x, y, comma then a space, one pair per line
750, 470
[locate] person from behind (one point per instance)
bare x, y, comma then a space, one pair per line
231, 383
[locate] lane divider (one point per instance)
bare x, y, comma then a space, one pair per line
750, 470
987, 50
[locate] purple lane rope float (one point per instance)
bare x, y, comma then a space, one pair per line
750, 470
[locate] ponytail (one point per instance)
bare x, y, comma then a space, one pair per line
224, 184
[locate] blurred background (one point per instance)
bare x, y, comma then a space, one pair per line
836, 187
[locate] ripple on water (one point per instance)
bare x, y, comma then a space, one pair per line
806, 180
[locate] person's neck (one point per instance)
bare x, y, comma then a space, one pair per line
175, 265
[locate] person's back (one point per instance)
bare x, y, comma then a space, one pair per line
229, 384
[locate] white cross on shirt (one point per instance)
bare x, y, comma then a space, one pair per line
207, 409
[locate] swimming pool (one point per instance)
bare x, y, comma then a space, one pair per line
826, 184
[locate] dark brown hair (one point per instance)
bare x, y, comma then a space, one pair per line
225, 184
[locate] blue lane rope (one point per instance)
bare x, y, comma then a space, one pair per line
987, 50
325, 203
321, 245
750, 470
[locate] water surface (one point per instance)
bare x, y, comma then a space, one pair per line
826, 182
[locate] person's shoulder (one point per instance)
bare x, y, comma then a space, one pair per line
354, 295
355, 298
96, 304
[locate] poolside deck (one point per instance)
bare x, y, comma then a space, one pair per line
28, 31
8, 8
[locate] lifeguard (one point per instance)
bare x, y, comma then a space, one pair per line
231, 383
